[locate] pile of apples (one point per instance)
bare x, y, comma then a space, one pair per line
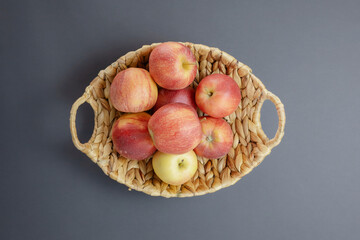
174, 129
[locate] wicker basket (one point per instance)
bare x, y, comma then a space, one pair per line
250, 145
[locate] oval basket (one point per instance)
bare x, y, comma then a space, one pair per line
250, 145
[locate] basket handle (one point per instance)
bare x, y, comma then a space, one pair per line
84, 147
281, 114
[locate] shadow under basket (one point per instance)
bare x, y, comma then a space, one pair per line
250, 145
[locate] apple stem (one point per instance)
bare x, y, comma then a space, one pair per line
209, 138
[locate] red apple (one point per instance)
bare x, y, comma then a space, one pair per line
131, 137
218, 95
165, 96
217, 138
175, 128
172, 65
133, 90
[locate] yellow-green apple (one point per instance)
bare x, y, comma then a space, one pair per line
165, 96
172, 65
175, 128
218, 95
133, 90
175, 169
131, 137
217, 138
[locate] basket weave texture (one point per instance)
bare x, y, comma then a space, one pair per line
250, 144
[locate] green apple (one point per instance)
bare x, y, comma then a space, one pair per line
175, 169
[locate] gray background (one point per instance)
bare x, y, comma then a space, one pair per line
306, 52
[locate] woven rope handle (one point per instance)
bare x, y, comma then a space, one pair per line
281, 114
84, 147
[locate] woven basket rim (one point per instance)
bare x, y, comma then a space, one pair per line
99, 147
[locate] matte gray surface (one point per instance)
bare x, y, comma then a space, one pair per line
306, 52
